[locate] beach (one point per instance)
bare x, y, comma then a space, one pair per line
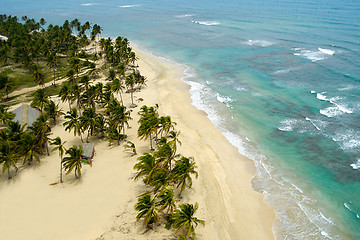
100, 205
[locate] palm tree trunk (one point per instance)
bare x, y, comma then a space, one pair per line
47, 148
151, 148
122, 102
61, 180
9, 177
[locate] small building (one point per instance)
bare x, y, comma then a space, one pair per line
88, 152
25, 114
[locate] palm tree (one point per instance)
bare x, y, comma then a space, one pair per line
52, 110
39, 99
65, 94
131, 147
184, 219
130, 82
167, 200
181, 172
73, 122
146, 206
88, 121
146, 167
5, 116
30, 148
52, 62
117, 87
59, 145
7, 157
41, 130
174, 140
166, 125
6, 85
73, 161
148, 123
38, 76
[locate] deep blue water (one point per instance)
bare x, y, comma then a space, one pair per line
280, 78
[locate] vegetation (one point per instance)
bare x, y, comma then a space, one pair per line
33, 56
163, 171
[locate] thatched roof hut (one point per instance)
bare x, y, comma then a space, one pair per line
25, 114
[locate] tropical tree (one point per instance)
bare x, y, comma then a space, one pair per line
184, 219
38, 76
117, 87
147, 208
148, 123
6, 85
5, 116
65, 94
52, 110
8, 157
59, 145
131, 147
167, 200
41, 130
39, 99
88, 121
30, 148
146, 167
73, 122
181, 173
52, 62
73, 161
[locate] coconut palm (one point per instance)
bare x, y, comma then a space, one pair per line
181, 173
166, 125
39, 99
8, 157
131, 147
38, 76
73, 122
117, 87
30, 148
147, 208
5, 116
130, 82
146, 167
6, 85
88, 121
15, 131
59, 145
148, 123
65, 94
184, 219
52, 110
41, 130
167, 200
173, 140
73, 161
52, 62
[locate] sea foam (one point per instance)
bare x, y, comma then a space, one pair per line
332, 111
314, 55
259, 43
356, 165
206, 23
129, 6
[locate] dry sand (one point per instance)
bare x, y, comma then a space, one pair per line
101, 204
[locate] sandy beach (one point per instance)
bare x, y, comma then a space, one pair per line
101, 204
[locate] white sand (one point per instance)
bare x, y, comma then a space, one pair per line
102, 202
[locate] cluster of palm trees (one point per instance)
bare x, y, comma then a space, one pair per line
163, 170
20, 142
38, 50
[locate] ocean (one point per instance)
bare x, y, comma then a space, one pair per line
280, 79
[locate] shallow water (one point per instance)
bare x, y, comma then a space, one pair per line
280, 79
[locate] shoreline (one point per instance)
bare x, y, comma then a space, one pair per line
227, 164
100, 205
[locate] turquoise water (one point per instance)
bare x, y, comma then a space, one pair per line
280, 78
